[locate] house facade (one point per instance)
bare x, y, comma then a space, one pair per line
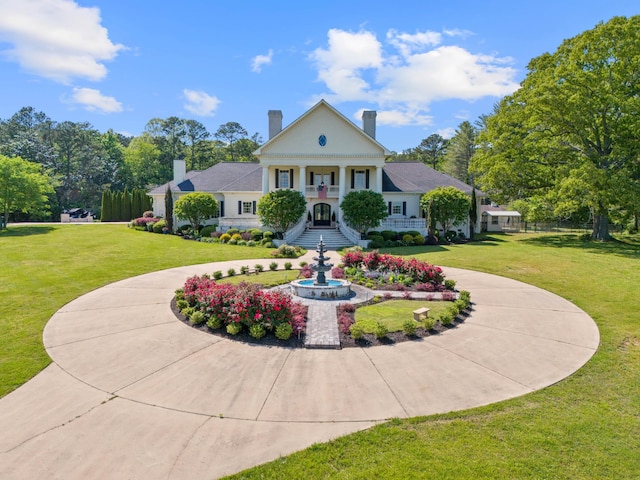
323, 155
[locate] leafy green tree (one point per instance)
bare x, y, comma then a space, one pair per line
432, 150
281, 209
447, 206
196, 207
570, 133
460, 151
363, 210
142, 159
196, 135
230, 133
28, 134
23, 188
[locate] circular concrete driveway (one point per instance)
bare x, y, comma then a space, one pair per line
134, 393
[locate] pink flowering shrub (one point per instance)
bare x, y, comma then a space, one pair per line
344, 322
244, 304
142, 221
346, 308
337, 272
306, 271
352, 259
448, 296
425, 276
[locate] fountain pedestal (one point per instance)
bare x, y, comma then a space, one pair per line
321, 287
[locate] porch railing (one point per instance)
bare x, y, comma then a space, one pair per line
312, 191
294, 232
418, 224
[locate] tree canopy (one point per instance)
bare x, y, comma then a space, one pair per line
460, 151
446, 206
569, 136
196, 208
363, 209
281, 209
23, 188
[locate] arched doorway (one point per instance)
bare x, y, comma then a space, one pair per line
321, 215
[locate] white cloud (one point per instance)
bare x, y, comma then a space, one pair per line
260, 60
341, 65
93, 100
408, 73
407, 43
399, 117
200, 103
56, 39
446, 132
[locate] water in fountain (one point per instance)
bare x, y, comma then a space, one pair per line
321, 287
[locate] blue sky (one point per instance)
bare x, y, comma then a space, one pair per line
424, 66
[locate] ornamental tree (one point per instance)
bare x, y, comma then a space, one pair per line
281, 209
23, 188
447, 206
196, 207
363, 209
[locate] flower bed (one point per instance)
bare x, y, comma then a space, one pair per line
353, 334
241, 308
387, 272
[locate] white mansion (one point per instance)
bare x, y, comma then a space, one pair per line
325, 156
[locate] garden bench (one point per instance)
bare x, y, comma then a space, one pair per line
420, 314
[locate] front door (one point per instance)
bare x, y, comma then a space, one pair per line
321, 215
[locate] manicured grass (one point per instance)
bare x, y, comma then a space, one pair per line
43, 267
268, 278
394, 313
585, 427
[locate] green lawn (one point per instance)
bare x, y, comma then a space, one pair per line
585, 427
44, 267
267, 278
394, 313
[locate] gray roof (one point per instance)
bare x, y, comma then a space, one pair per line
416, 177
401, 177
222, 177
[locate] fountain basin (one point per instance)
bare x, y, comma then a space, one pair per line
334, 289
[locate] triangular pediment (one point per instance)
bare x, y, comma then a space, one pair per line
322, 131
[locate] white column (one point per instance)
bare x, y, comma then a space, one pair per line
342, 183
302, 182
265, 180
379, 179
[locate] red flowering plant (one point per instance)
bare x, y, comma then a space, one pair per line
142, 221
245, 304
371, 260
306, 271
405, 272
352, 259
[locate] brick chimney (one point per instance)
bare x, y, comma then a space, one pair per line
369, 123
275, 123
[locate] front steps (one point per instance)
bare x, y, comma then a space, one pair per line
333, 239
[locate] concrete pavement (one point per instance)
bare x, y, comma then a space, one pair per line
134, 393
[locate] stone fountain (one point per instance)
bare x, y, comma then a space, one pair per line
320, 287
